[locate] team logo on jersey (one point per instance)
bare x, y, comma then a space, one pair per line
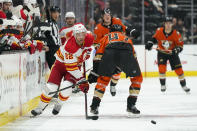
166, 44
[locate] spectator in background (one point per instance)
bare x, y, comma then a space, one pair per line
127, 20
97, 14
158, 5
194, 34
107, 4
181, 28
174, 22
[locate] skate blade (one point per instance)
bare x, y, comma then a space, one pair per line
131, 115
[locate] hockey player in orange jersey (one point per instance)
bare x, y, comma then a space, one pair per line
170, 44
69, 58
116, 52
100, 31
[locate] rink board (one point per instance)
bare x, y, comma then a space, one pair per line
148, 61
21, 77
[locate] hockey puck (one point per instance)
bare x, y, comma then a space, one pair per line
153, 122
94, 117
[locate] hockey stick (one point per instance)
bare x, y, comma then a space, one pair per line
161, 49
54, 92
86, 105
191, 54
70, 86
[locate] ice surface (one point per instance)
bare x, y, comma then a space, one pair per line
173, 110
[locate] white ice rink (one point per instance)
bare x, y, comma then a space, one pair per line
173, 110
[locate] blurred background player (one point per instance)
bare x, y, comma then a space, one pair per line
7, 4
117, 51
100, 31
66, 32
69, 59
170, 44
53, 38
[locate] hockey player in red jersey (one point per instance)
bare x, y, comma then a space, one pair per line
66, 32
170, 44
100, 31
68, 62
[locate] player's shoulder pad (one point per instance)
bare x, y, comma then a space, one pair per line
63, 29
116, 20
98, 26
71, 45
89, 39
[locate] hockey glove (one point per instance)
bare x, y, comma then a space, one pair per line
92, 77
132, 32
149, 45
176, 50
84, 87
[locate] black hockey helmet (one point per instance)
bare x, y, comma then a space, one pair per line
106, 11
55, 9
168, 19
116, 27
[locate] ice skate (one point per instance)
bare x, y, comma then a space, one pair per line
113, 90
57, 108
37, 111
163, 88
186, 89
95, 105
133, 111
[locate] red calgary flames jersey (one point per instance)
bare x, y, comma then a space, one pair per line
166, 43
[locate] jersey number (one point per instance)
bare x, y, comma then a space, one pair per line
68, 56
115, 37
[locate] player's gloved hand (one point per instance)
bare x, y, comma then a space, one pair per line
176, 50
130, 31
84, 86
30, 47
134, 33
149, 45
92, 77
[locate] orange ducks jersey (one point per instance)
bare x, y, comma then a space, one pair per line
111, 38
100, 30
166, 43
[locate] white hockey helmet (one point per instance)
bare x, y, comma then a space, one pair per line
7, 1
30, 1
70, 14
79, 28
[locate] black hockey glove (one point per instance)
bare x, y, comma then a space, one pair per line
132, 32
149, 45
176, 50
92, 77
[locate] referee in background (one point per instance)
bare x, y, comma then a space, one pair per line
53, 38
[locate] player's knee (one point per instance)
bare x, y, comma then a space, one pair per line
50, 87
103, 79
179, 71
66, 92
162, 69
